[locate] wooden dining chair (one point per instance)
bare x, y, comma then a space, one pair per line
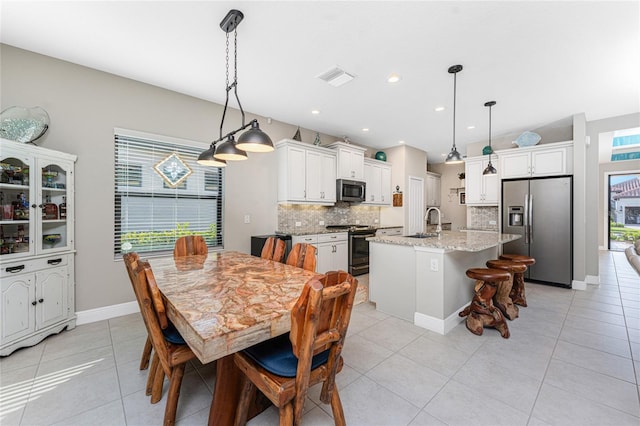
190, 245
131, 263
171, 353
273, 249
303, 256
285, 367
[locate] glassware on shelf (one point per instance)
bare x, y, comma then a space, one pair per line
49, 175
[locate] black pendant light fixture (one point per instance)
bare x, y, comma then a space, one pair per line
490, 170
254, 140
454, 156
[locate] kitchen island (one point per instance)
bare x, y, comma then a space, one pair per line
423, 280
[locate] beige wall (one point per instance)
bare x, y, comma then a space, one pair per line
85, 106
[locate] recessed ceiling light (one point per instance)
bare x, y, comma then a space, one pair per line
471, 127
365, 129
315, 112
439, 108
444, 155
400, 142
393, 78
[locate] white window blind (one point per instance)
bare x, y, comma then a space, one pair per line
152, 211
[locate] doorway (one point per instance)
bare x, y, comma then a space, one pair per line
624, 210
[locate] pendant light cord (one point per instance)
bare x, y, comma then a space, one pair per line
455, 78
233, 85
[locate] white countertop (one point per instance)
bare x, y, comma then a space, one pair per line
471, 241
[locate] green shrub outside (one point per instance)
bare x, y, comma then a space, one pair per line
164, 240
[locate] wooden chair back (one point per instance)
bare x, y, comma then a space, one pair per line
273, 249
303, 256
190, 245
319, 322
131, 263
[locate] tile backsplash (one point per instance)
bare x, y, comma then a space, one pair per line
310, 216
480, 218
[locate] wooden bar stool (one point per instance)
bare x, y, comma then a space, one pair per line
481, 312
517, 290
502, 299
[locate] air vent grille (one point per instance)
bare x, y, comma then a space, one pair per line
336, 77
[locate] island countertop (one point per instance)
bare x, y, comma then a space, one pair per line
470, 241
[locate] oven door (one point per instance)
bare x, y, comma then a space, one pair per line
359, 253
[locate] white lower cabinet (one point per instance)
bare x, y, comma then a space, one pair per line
36, 299
332, 250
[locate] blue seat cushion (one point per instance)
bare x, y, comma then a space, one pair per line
276, 356
172, 335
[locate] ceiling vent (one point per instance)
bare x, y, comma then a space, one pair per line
336, 77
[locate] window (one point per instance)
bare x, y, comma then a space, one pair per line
161, 194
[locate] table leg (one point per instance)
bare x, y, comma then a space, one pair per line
226, 394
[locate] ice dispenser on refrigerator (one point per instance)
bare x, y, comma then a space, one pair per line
516, 215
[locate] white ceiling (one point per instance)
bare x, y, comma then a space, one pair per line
542, 61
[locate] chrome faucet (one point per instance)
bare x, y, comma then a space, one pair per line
426, 217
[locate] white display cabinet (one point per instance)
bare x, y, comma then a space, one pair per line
36, 244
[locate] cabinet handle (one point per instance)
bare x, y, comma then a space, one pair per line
54, 261
34, 303
14, 269
41, 206
40, 300
33, 206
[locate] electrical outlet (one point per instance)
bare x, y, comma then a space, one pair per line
321, 222
298, 223
375, 220
492, 222
434, 265
357, 222
247, 218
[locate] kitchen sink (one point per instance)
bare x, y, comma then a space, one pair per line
423, 235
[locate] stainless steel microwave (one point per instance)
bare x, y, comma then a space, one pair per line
352, 191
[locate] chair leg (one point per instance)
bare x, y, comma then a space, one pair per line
336, 407
146, 355
174, 393
155, 363
247, 394
286, 415
158, 382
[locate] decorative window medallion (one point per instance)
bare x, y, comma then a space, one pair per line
173, 170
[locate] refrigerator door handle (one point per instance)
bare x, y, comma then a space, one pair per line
531, 217
526, 218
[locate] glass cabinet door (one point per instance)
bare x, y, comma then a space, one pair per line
17, 232
55, 178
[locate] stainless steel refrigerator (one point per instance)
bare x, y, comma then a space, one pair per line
541, 211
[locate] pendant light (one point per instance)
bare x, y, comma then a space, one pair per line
490, 170
254, 140
454, 156
207, 158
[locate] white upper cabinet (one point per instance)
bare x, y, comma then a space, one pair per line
306, 173
541, 160
377, 175
350, 161
480, 189
433, 189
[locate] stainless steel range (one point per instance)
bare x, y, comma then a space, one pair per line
358, 246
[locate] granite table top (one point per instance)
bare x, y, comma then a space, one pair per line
470, 241
227, 301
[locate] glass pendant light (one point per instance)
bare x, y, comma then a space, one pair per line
490, 170
454, 156
207, 158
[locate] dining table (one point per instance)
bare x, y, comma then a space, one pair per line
225, 302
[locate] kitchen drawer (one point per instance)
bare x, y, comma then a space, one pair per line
388, 231
31, 265
328, 238
307, 239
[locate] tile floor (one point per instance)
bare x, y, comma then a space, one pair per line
573, 359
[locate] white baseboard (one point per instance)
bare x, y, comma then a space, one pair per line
578, 285
107, 312
592, 279
436, 324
